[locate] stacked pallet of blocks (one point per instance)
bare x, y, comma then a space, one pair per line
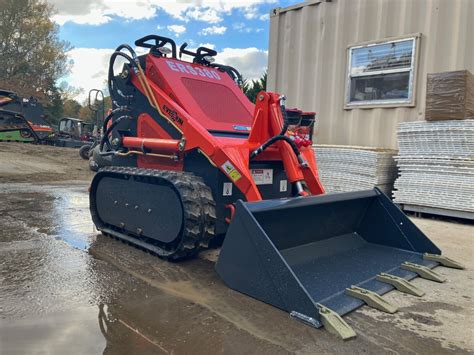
436, 163
348, 168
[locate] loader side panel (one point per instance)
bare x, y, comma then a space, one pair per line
385, 219
252, 265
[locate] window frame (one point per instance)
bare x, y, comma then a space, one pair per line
413, 69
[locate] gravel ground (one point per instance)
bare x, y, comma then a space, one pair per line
23, 162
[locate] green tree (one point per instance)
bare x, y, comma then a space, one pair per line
71, 108
32, 56
53, 108
253, 87
88, 115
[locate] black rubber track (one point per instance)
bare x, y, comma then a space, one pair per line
199, 213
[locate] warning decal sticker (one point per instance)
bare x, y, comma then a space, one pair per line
231, 171
262, 176
227, 191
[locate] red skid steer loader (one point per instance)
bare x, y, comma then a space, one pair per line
191, 162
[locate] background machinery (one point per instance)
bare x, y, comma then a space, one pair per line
96, 104
22, 119
193, 163
73, 133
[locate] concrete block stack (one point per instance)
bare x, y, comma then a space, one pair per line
348, 168
436, 163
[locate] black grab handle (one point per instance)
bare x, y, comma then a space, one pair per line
199, 55
203, 51
182, 51
159, 42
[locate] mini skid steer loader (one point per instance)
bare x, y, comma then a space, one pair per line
22, 119
194, 162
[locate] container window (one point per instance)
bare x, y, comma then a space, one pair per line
381, 73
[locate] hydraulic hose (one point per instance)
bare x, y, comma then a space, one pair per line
140, 74
106, 122
111, 114
272, 140
105, 137
118, 52
285, 117
127, 47
132, 58
110, 81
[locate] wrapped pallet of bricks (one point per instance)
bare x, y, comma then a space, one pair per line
348, 168
436, 163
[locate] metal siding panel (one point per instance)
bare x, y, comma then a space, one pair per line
308, 59
469, 53
273, 48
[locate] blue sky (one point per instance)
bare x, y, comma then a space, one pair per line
239, 30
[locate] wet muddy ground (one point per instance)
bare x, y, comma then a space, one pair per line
64, 288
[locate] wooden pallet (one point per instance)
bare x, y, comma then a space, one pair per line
438, 211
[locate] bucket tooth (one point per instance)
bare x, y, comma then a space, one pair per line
443, 260
423, 272
400, 284
372, 299
334, 323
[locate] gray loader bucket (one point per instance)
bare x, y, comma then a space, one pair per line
302, 254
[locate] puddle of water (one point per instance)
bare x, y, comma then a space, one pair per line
72, 217
74, 331
39, 274
49, 289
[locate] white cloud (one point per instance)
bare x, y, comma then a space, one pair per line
211, 11
242, 28
251, 12
96, 12
206, 15
207, 45
141, 50
191, 42
89, 69
176, 29
250, 62
88, 19
238, 26
213, 30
